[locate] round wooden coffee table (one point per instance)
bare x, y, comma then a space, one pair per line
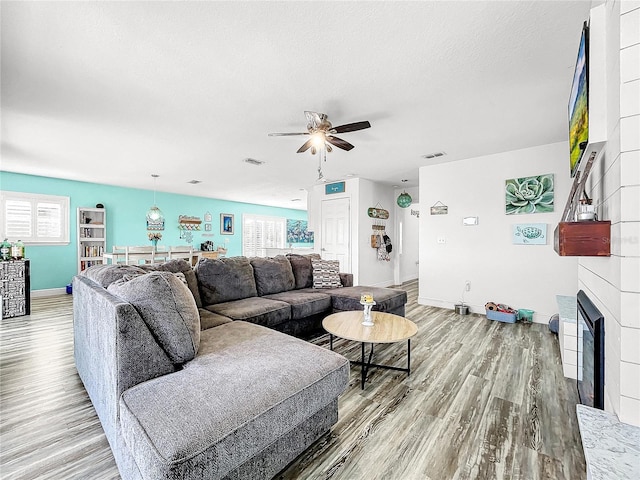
387, 328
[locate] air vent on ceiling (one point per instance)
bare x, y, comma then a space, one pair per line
434, 155
194, 182
253, 161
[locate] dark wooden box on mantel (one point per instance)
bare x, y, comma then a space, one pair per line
583, 239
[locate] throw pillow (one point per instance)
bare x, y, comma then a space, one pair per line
326, 273
272, 275
180, 265
302, 269
174, 266
105, 275
169, 310
225, 279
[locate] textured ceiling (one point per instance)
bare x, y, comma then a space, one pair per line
112, 92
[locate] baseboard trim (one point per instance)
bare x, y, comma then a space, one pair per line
48, 292
433, 302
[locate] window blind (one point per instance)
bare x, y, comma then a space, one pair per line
261, 232
34, 218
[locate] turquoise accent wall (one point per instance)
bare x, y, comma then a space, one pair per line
53, 266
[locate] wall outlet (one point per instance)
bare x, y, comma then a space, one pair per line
467, 285
442, 240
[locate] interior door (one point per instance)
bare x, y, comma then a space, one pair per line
335, 232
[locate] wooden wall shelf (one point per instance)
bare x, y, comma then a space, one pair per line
583, 239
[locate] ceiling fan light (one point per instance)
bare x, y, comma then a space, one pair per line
404, 200
318, 140
313, 150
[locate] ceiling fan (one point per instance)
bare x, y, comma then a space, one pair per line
323, 133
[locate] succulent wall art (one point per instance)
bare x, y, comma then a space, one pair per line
529, 194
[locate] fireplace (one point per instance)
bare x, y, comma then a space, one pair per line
590, 353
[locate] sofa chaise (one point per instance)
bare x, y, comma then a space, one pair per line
190, 383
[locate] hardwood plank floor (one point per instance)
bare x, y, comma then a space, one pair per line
485, 400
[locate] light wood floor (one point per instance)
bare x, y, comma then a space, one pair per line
485, 400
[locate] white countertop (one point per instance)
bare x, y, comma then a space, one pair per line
611, 448
568, 307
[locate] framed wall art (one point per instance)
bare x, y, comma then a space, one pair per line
297, 232
529, 194
226, 224
529, 234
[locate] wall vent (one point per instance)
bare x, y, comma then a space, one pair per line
434, 155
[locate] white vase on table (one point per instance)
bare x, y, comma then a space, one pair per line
368, 318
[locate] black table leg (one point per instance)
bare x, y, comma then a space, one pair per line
366, 365
363, 371
331, 341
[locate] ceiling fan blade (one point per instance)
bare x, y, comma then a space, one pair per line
306, 146
287, 134
350, 127
338, 142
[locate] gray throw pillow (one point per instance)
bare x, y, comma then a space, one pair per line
180, 265
302, 268
167, 307
326, 274
174, 266
273, 275
105, 275
225, 279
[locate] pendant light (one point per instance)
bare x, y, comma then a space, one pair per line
404, 200
155, 218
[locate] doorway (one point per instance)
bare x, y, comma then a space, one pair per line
335, 232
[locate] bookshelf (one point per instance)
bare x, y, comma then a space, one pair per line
92, 236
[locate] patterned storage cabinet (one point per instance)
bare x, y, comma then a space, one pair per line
15, 288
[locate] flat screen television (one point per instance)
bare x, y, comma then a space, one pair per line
579, 103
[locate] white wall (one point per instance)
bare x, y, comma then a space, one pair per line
613, 283
362, 193
522, 276
372, 271
408, 234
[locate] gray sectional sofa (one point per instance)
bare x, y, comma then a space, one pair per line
189, 383
277, 292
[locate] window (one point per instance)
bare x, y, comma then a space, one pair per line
34, 218
261, 232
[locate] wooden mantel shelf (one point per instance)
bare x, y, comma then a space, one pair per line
583, 239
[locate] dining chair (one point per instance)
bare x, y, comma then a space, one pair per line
137, 254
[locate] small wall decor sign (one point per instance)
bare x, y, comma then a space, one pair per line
529, 234
208, 217
375, 212
439, 208
226, 224
207, 227
186, 222
331, 188
529, 194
